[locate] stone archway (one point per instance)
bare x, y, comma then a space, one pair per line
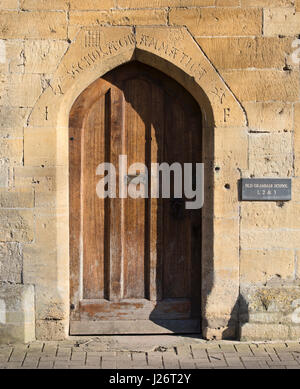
173, 51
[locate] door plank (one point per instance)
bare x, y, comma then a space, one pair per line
93, 211
116, 224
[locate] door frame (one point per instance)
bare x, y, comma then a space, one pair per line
174, 51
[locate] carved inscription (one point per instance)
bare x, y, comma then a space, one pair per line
98, 50
92, 39
174, 53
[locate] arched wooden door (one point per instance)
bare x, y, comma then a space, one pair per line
134, 263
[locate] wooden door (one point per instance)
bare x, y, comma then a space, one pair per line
134, 263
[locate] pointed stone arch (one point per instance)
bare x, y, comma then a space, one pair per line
94, 52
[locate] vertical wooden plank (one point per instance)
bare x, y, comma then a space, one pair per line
196, 228
74, 204
116, 218
176, 228
137, 124
93, 211
155, 273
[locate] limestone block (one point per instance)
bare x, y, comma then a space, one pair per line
296, 189
92, 4
11, 150
258, 331
217, 21
276, 297
283, 21
4, 174
55, 5
9, 4
263, 85
270, 238
50, 185
21, 198
13, 58
163, 3
269, 117
39, 146
21, 90
297, 138
16, 225
297, 4
12, 132
269, 215
267, 3
43, 56
51, 329
13, 117
271, 155
35, 25
263, 265
17, 315
121, 18
227, 3
231, 147
258, 52
11, 262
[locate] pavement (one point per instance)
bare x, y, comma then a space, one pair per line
149, 352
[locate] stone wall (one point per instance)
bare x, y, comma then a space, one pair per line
249, 44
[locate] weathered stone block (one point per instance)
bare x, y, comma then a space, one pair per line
267, 3
20, 198
51, 329
43, 5
11, 150
297, 138
13, 132
270, 239
13, 58
263, 85
4, 174
283, 21
12, 117
163, 3
39, 147
247, 52
92, 4
122, 18
297, 4
271, 155
9, 4
33, 25
11, 263
269, 215
255, 331
216, 21
17, 316
22, 90
16, 225
269, 117
43, 56
264, 265
227, 3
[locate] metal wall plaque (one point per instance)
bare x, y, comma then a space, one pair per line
267, 189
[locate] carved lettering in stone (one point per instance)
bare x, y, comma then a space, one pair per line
99, 50
174, 53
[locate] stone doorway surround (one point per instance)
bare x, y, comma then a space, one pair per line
94, 52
